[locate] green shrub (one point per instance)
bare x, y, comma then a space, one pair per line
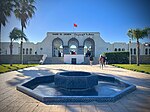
117, 57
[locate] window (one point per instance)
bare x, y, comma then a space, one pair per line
146, 51
23, 51
149, 51
119, 49
26, 50
35, 52
115, 49
123, 49
131, 51
134, 51
41, 48
30, 50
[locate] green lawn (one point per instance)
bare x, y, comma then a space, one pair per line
142, 68
7, 67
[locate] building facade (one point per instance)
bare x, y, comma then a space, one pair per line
56, 44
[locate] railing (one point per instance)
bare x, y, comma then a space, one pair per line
43, 58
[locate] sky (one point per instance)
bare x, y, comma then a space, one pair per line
112, 18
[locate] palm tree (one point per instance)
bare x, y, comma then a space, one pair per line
138, 34
146, 31
15, 34
24, 10
6, 6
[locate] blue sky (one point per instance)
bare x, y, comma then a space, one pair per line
112, 18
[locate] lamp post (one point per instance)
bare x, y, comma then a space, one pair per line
130, 55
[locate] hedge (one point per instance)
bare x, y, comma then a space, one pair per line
117, 57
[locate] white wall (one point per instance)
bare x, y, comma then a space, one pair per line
79, 58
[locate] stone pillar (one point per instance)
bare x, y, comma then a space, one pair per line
66, 50
80, 50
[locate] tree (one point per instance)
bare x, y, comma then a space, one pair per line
15, 34
138, 34
24, 10
146, 31
6, 6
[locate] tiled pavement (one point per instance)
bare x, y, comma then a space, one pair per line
12, 100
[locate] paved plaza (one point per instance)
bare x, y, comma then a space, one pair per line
12, 100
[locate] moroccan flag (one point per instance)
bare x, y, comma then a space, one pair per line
75, 25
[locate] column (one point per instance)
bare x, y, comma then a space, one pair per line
80, 50
66, 50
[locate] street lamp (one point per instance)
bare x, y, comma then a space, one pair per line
130, 55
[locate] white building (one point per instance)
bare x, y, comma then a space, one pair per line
58, 44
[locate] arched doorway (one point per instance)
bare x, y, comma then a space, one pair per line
73, 44
57, 48
89, 47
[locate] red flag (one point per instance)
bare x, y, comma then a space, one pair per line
75, 25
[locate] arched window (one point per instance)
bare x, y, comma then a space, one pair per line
119, 49
131, 51
23, 51
26, 50
123, 49
115, 49
146, 51
89, 47
134, 51
57, 47
73, 44
30, 50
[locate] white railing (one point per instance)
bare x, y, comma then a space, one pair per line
43, 58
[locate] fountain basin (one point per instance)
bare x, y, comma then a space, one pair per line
109, 89
76, 80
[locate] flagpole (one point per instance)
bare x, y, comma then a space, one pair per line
74, 25
73, 28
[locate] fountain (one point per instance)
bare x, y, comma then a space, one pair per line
76, 86
76, 80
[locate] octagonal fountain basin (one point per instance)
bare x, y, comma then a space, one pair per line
76, 86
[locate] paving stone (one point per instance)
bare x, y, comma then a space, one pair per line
57, 108
103, 108
135, 104
6, 95
73, 108
41, 109
88, 108
10, 109
28, 107
138, 109
6, 102
118, 107
12, 100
